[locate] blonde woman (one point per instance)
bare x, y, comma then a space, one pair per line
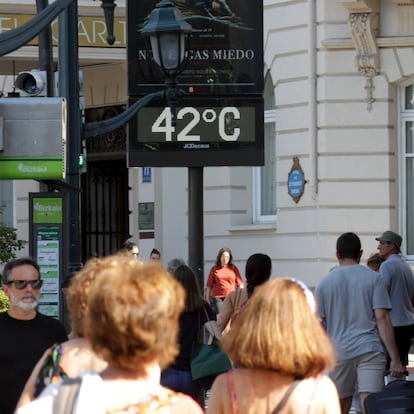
132, 324
280, 352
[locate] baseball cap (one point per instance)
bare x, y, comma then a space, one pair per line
391, 237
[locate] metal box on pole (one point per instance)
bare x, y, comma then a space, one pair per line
32, 138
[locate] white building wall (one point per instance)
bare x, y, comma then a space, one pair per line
349, 154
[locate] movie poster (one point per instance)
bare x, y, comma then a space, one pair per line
225, 55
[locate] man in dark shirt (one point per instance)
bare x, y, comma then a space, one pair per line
25, 333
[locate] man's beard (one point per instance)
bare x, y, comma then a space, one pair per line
22, 304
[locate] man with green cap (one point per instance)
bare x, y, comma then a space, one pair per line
399, 279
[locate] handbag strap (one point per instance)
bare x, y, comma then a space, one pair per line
288, 392
206, 313
200, 332
66, 397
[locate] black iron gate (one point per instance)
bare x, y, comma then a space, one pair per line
104, 205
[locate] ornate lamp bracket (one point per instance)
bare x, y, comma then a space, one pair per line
364, 28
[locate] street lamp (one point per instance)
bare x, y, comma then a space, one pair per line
168, 35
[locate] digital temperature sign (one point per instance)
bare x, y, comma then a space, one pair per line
206, 132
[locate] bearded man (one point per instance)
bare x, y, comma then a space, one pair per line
25, 333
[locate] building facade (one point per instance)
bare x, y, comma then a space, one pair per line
339, 106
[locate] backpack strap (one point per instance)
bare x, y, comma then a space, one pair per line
288, 392
66, 397
50, 371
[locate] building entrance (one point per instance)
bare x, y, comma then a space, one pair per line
104, 196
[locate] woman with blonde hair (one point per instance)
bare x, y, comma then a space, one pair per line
132, 323
280, 352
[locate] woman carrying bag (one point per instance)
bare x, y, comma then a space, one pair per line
196, 313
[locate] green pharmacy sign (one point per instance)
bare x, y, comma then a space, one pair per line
25, 168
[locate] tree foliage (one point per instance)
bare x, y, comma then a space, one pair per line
4, 302
9, 243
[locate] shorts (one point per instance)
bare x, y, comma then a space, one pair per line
366, 370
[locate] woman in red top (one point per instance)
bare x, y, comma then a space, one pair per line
224, 277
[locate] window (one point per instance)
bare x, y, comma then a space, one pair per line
265, 177
407, 148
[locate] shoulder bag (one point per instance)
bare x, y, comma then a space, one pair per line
207, 359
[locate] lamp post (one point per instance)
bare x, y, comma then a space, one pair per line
169, 33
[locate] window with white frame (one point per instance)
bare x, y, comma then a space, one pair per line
265, 177
407, 149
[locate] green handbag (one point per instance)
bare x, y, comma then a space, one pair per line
207, 362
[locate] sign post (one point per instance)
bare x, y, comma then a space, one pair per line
46, 235
220, 120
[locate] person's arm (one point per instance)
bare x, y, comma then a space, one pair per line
209, 284
27, 393
208, 292
239, 280
386, 332
226, 311
215, 401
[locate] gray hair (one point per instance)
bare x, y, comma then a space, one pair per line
174, 263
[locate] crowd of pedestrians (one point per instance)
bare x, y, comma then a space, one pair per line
134, 322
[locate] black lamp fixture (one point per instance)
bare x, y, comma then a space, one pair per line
108, 8
168, 34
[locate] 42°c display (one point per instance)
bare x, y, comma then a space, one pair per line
201, 132
205, 124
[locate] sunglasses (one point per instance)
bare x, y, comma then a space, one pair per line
22, 284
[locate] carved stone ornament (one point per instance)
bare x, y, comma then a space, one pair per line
296, 181
364, 29
364, 24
